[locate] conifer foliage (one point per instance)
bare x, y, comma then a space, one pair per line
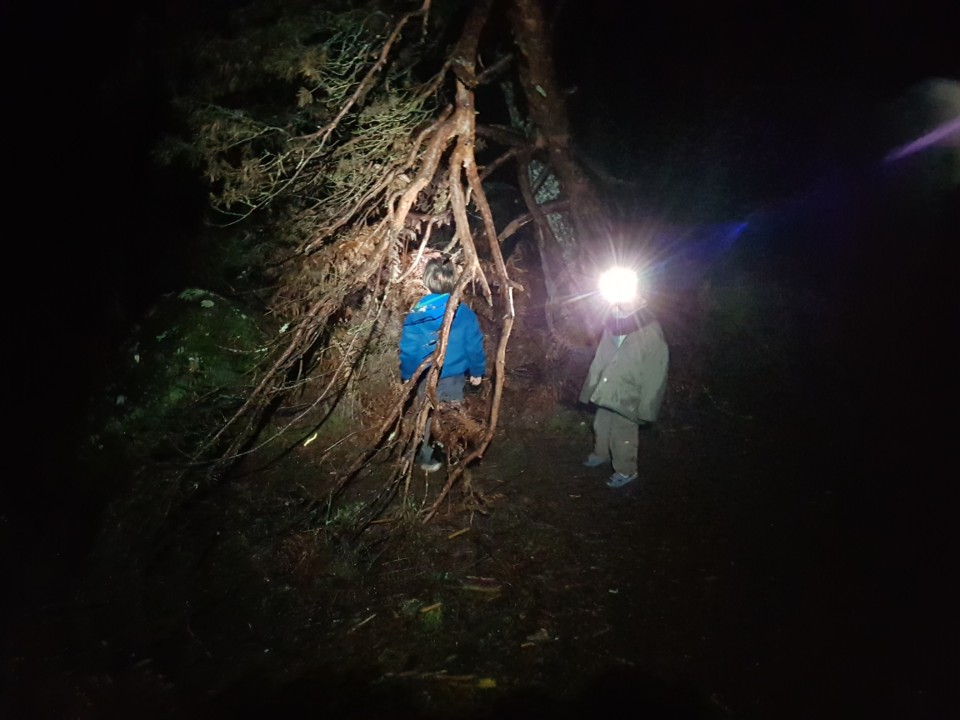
351, 136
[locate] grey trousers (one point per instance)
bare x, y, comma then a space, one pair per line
617, 439
449, 389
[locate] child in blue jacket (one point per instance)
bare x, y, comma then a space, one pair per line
465, 355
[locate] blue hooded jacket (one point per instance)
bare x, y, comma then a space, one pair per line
419, 338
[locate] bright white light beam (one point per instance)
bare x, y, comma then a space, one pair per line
618, 285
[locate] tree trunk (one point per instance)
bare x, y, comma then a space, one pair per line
571, 266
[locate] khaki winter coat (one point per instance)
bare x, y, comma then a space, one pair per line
631, 379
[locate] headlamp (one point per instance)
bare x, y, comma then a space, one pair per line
618, 285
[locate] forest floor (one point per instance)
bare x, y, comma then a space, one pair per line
727, 581
762, 566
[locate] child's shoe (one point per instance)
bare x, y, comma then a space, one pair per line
619, 480
594, 461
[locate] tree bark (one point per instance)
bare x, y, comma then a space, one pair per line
548, 112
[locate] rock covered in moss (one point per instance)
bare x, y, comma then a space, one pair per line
188, 362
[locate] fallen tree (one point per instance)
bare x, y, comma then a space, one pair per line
349, 136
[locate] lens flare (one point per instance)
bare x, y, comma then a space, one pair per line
619, 285
937, 135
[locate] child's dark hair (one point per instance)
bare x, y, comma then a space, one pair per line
440, 276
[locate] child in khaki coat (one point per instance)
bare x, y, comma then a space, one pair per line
626, 382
